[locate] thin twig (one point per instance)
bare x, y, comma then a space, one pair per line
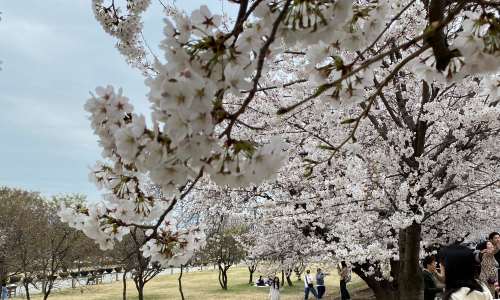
260, 63
458, 200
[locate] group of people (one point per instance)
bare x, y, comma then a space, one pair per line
274, 286
318, 292
457, 273
462, 273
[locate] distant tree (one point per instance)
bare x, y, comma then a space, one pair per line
38, 245
224, 250
59, 243
128, 255
252, 264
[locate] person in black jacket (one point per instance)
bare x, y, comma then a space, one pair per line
430, 287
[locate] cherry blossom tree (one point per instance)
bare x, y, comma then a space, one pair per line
401, 96
423, 170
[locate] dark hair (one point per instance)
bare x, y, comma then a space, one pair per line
459, 269
344, 265
492, 235
428, 260
482, 245
276, 283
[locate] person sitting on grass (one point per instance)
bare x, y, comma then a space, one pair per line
260, 282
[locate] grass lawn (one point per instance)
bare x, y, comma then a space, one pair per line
198, 285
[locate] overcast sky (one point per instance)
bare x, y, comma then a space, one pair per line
54, 52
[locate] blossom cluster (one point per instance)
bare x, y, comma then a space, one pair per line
214, 87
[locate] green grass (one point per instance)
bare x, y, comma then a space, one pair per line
198, 285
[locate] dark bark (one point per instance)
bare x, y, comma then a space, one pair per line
223, 276
47, 286
46, 292
410, 277
27, 290
383, 289
288, 276
282, 277
180, 284
139, 285
140, 292
124, 279
438, 40
251, 270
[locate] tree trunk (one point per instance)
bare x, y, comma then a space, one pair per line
180, 284
251, 270
410, 278
124, 279
288, 276
407, 283
282, 277
140, 292
46, 295
27, 290
223, 276
382, 289
47, 288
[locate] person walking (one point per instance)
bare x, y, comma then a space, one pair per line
430, 286
309, 286
274, 291
459, 275
489, 267
320, 283
345, 277
4, 292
